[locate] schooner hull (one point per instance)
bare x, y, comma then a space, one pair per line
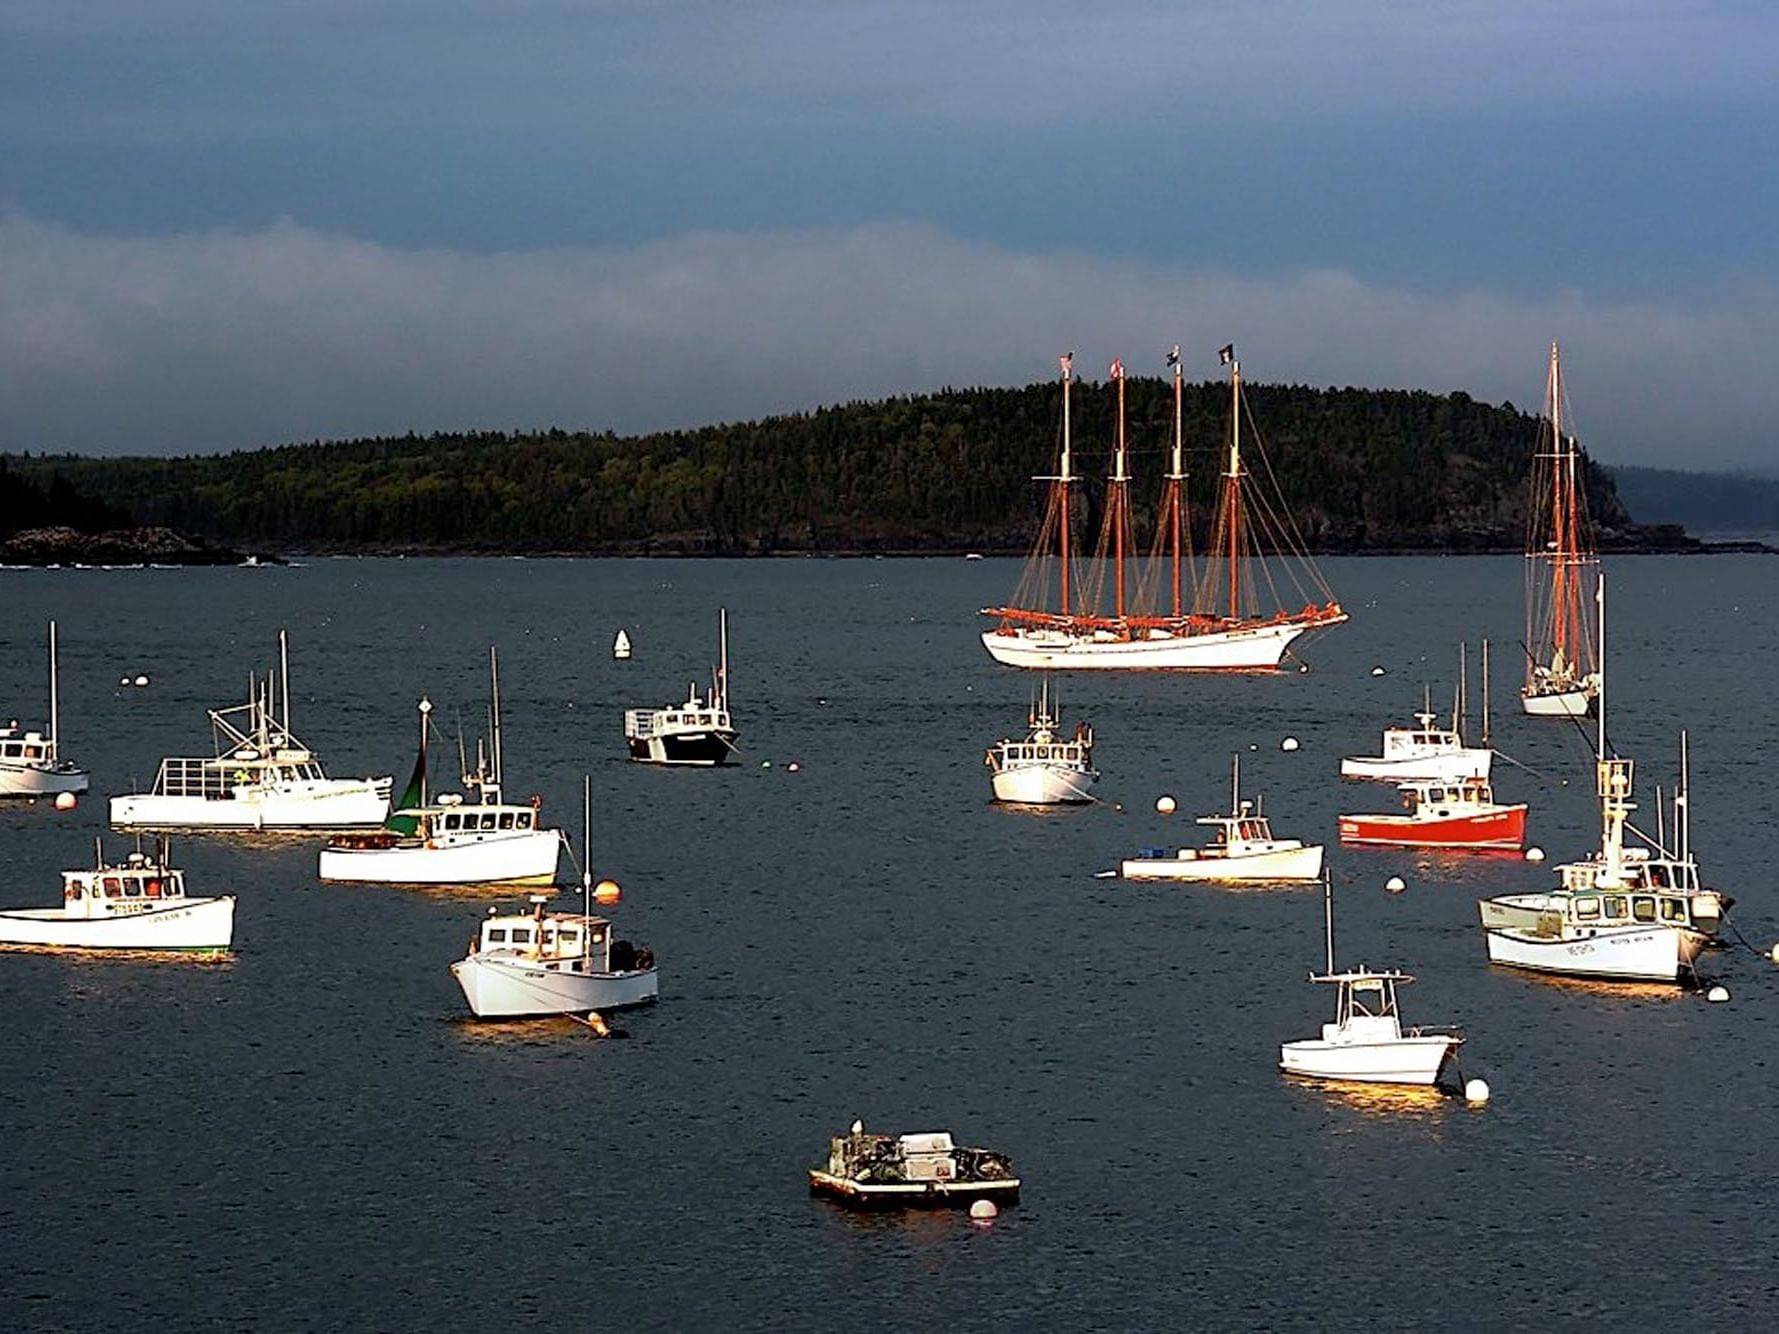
1242, 649
1577, 703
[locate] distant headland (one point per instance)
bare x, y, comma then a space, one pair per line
1364, 471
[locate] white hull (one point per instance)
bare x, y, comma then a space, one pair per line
1408, 1060
326, 804
527, 858
1251, 648
190, 924
28, 781
1578, 703
1453, 767
1041, 785
1630, 954
511, 987
1279, 864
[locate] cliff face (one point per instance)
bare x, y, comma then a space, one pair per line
1360, 470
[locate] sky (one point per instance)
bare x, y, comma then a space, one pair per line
233, 223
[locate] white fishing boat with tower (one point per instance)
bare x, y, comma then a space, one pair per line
698, 732
1224, 628
1046, 768
136, 904
260, 777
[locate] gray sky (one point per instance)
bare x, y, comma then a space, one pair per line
230, 223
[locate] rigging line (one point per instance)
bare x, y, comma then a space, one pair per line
1575, 721
1539, 774
1743, 939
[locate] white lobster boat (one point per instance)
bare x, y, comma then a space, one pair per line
699, 732
1220, 627
448, 841
31, 764
1625, 914
1421, 754
260, 778
1366, 1043
1044, 769
1243, 849
139, 904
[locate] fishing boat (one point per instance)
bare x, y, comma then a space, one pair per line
1424, 753
535, 964
697, 732
1461, 815
31, 763
1242, 849
1562, 568
1635, 914
1367, 1043
447, 841
911, 1171
1044, 769
138, 904
260, 777
1224, 628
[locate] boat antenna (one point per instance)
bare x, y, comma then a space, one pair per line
1661, 838
1683, 806
53, 711
98, 854
1235, 785
1459, 712
586, 864
494, 707
1485, 692
723, 655
1600, 695
1328, 915
284, 673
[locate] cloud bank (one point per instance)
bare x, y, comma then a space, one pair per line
235, 339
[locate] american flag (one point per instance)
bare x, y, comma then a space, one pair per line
1226, 354
1067, 362
1117, 368
1173, 358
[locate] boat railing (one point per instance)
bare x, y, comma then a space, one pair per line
639, 723
196, 778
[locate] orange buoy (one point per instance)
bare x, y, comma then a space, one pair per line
607, 891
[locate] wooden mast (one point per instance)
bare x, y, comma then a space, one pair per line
1067, 361
1176, 478
1232, 484
1120, 480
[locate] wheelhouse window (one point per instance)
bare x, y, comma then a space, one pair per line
1643, 908
524, 819
114, 888
521, 935
488, 819
497, 935
1673, 910
506, 819
1588, 909
1614, 905
453, 822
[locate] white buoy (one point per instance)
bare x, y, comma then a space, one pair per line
984, 1211
792, 767
765, 764
1253, 745
1165, 805
65, 801
1775, 954
1289, 743
1718, 994
123, 681
1395, 884
141, 680
1476, 1092
1377, 671
1534, 854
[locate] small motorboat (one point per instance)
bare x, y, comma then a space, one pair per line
1424, 753
697, 732
139, 904
1243, 849
1045, 769
1443, 815
31, 764
911, 1171
1366, 1043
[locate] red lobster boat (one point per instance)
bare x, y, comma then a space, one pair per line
1443, 815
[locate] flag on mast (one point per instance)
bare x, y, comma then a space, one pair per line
1067, 362
1117, 368
1226, 354
1173, 357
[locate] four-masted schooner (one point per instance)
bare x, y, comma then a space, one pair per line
1562, 572
1224, 628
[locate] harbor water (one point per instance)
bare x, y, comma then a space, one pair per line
313, 1134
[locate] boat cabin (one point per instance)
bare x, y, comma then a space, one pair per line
476, 820
692, 716
138, 886
1246, 826
1444, 798
226, 776
18, 748
560, 941
1407, 742
1366, 1006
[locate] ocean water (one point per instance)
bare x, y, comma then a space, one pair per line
312, 1135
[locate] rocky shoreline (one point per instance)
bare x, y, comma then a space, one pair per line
121, 546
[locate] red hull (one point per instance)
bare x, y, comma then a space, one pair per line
1498, 827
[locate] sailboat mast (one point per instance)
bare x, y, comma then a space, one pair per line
1233, 486
425, 710
723, 655
54, 706
1176, 477
586, 864
1119, 487
1064, 478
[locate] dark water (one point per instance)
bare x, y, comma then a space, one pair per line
310, 1137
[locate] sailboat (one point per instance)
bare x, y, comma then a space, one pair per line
31, 764
1633, 914
1562, 657
447, 841
1224, 628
